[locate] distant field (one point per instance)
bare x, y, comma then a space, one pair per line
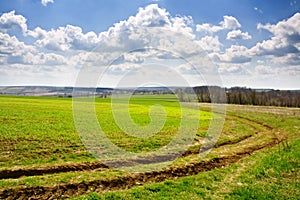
42, 155
40, 130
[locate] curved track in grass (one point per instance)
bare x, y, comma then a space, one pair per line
16, 173
129, 180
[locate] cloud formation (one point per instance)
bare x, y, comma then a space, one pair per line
64, 38
285, 40
45, 2
229, 22
238, 35
235, 54
68, 47
210, 43
10, 20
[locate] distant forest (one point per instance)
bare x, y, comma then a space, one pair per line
215, 94
248, 96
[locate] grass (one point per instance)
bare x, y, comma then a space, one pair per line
40, 131
269, 174
37, 130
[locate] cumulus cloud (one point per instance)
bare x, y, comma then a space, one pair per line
153, 27
232, 68
281, 48
40, 59
14, 51
181, 25
285, 40
235, 54
65, 38
288, 28
10, 21
210, 43
288, 59
209, 28
131, 33
150, 16
151, 35
37, 33
238, 35
229, 22
45, 2
11, 46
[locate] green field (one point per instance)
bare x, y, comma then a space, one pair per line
42, 156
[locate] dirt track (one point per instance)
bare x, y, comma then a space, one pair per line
50, 170
17, 173
127, 181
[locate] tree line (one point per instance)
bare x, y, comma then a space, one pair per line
247, 96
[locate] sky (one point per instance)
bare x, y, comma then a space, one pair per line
248, 43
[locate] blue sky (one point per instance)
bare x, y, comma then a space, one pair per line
249, 43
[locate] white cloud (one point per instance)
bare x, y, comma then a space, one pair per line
208, 28
11, 46
12, 51
288, 28
285, 40
150, 16
181, 25
235, 54
151, 26
65, 38
238, 34
41, 59
231, 68
152, 35
10, 21
288, 59
258, 10
37, 33
210, 43
229, 22
45, 2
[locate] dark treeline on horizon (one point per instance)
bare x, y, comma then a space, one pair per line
248, 96
207, 94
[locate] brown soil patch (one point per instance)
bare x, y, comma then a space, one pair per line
50, 170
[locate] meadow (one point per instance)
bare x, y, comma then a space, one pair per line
42, 155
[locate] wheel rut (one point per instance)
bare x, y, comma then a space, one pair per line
17, 173
127, 181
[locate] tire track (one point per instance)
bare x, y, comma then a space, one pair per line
5, 174
17, 173
125, 182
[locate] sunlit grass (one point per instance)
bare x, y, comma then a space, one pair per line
40, 131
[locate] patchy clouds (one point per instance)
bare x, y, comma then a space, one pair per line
10, 20
45, 2
152, 35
